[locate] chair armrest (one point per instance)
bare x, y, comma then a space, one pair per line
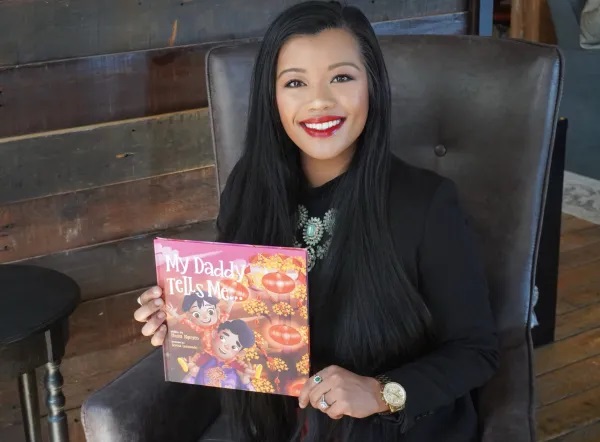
141, 406
506, 403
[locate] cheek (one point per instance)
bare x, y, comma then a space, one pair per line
286, 106
358, 104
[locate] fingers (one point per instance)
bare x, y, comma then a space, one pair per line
150, 294
310, 384
153, 323
323, 388
143, 313
159, 337
335, 411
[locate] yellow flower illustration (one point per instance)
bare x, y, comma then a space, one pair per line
303, 312
263, 385
255, 307
283, 309
277, 364
302, 366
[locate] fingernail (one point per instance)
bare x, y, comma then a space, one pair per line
301, 404
158, 301
161, 315
156, 291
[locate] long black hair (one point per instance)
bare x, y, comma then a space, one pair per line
364, 311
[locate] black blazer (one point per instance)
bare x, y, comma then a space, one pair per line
438, 248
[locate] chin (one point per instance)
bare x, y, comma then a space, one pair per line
323, 154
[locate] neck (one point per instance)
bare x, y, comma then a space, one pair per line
319, 172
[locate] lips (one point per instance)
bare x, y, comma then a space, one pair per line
322, 127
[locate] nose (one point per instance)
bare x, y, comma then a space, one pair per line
321, 99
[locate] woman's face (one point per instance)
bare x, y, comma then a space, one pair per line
322, 94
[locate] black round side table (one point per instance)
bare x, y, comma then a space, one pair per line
35, 304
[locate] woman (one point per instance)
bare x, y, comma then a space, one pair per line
398, 299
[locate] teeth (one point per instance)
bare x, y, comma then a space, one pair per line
323, 126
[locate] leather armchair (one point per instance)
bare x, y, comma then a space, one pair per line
480, 111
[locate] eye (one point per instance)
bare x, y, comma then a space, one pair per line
235, 348
211, 312
196, 315
293, 84
222, 338
342, 78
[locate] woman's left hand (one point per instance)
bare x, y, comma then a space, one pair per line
346, 393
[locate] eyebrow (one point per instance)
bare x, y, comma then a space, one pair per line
226, 333
238, 343
331, 67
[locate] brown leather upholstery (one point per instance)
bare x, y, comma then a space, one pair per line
480, 111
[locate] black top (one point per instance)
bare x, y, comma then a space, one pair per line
433, 238
32, 299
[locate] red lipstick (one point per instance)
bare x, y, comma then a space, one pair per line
322, 127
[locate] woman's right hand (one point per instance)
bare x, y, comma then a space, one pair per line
152, 314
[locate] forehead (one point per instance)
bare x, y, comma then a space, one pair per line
202, 304
319, 50
228, 332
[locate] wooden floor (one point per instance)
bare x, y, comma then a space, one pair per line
568, 371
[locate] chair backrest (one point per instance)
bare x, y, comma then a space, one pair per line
482, 112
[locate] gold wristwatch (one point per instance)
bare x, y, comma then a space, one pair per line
392, 393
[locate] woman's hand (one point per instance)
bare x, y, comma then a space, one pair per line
347, 394
151, 313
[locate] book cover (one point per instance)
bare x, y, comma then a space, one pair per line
237, 315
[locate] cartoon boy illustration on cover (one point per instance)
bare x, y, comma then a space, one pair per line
203, 314
221, 368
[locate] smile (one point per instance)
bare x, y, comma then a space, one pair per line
223, 352
322, 127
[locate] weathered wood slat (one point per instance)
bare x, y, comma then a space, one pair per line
578, 321
82, 375
583, 296
104, 323
67, 221
15, 432
579, 256
565, 416
568, 381
129, 263
568, 351
443, 24
580, 237
36, 30
93, 156
590, 433
81, 91
569, 223
76, 92
578, 279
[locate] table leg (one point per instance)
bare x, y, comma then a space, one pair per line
57, 419
29, 406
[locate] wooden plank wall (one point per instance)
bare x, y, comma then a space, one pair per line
105, 143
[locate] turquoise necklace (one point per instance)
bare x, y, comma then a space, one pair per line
316, 234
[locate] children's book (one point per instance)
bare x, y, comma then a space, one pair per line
237, 315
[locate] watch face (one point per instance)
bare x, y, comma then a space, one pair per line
394, 394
